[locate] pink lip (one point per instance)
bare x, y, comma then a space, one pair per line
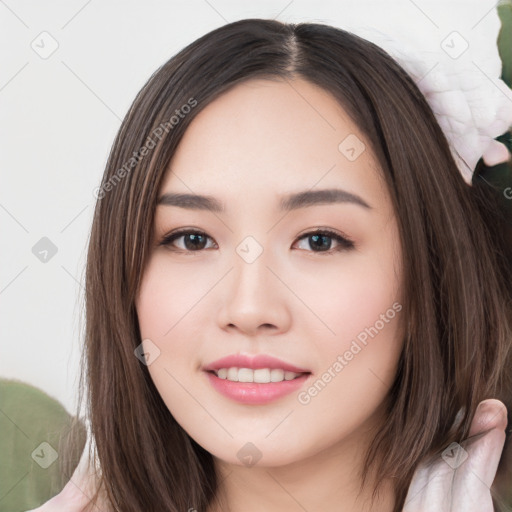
255, 393
254, 362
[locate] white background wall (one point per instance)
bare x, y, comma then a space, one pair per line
58, 119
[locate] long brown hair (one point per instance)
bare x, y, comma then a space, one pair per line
457, 304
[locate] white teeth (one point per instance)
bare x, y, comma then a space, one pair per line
245, 375
276, 375
232, 374
261, 375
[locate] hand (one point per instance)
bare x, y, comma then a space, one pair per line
461, 479
76, 494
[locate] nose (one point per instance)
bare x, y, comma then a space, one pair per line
254, 299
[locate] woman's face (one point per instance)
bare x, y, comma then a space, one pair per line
253, 278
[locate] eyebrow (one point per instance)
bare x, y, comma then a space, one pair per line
289, 202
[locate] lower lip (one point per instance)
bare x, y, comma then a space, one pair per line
255, 393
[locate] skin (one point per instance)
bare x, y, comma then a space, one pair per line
258, 141
287, 303
437, 488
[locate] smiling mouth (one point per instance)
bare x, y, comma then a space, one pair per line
258, 376
258, 386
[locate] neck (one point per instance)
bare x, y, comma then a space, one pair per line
327, 480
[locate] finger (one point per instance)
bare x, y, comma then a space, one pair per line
485, 446
490, 413
431, 489
462, 477
480, 456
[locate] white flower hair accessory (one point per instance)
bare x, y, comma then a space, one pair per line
457, 67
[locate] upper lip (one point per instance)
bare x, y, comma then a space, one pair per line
254, 362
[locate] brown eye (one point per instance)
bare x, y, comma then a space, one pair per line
319, 241
193, 241
322, 240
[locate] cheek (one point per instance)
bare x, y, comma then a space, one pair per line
356, 299
361, 338
357, 349
158, 310
165, 307
366, 296
170, 295
170, 301
364, 304
357, 365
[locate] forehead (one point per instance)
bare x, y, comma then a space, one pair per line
265, 135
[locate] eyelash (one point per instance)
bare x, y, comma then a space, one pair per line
344, 242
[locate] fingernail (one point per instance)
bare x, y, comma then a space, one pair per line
491, 413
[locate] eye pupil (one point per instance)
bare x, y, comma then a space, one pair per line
324, 238
194, 237
318, 241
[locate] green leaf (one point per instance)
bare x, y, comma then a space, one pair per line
505, 40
